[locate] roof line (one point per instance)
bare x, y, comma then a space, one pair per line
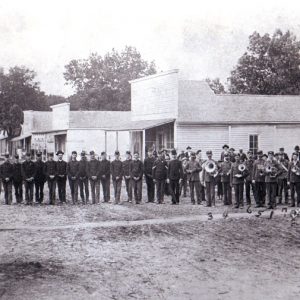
154, 75
186, 123
256, 95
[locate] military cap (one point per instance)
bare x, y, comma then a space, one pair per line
188, 148
225, 146
103, 153
128, 152
281, 149
173, 152
208, 152
6, 155
117, 152
259, 152
28, 154
51, 154
271, 152
193, 154
297, 148
92, 152
39, 154
59, 152
295, 153
16, 156
198, 151
74, 152
154, 152
82, 153
232, 149
265, 155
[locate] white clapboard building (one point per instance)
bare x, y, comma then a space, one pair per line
167, 112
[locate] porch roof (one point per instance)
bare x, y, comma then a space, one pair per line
138, 125
20, 137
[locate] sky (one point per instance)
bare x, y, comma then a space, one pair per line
201, 38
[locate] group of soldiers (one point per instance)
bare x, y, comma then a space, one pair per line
268, 176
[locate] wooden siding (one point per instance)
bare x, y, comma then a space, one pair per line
202, 137
287, 136
239, 136
155, 98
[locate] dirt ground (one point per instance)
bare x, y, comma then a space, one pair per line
147, 251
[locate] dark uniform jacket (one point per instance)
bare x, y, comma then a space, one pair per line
104, 168
7, 170
159, 170
61, 167
249, 165
175, 170
17, 174
50, 169
116, 169
225, 168
73, 168
235, 171
193, 168
292, 176
40, 169
82, 168
258, 173
148, 165
126, 164
136, 169
93, 168
28, 169
276, 165
284, 164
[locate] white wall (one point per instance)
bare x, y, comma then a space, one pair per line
155, 97
287, 136
61, 116
202, 137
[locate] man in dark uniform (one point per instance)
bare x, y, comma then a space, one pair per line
39, 179
148, 165
18, 180
193, 168
184, 182
93, 172
297, 151
28, 174
281, 152
159, 173
73, 171
61, 167
248, 183
225, 168
258, 179
271, 179
237, 178
294, 179
51, 172
105, 176
127, 177
136, 171
209, 180
116, 170
83, 178
201, 162
282, 178
224, 152
7, 172
175, 175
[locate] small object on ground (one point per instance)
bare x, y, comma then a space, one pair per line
210, 216
225, 214
271, 214
249, 210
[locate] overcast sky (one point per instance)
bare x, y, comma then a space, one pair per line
202, 38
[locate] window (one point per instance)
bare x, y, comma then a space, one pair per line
253, 143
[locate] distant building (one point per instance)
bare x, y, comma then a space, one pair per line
167, 112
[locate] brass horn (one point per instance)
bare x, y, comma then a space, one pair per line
210, 167
242, 167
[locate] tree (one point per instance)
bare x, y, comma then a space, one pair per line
18, 91
102, 83
270, 66
216, 85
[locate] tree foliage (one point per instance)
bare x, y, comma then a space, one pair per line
18, 91
102, 83
269, 66
216, 85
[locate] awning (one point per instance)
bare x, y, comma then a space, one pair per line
21, 137
53, 132
139, 125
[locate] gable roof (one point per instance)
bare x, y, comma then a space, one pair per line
198, 105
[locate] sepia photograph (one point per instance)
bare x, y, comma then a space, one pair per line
149, 150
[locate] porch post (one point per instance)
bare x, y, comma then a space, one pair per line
144, 144
117, 140
175, 135
105, 141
